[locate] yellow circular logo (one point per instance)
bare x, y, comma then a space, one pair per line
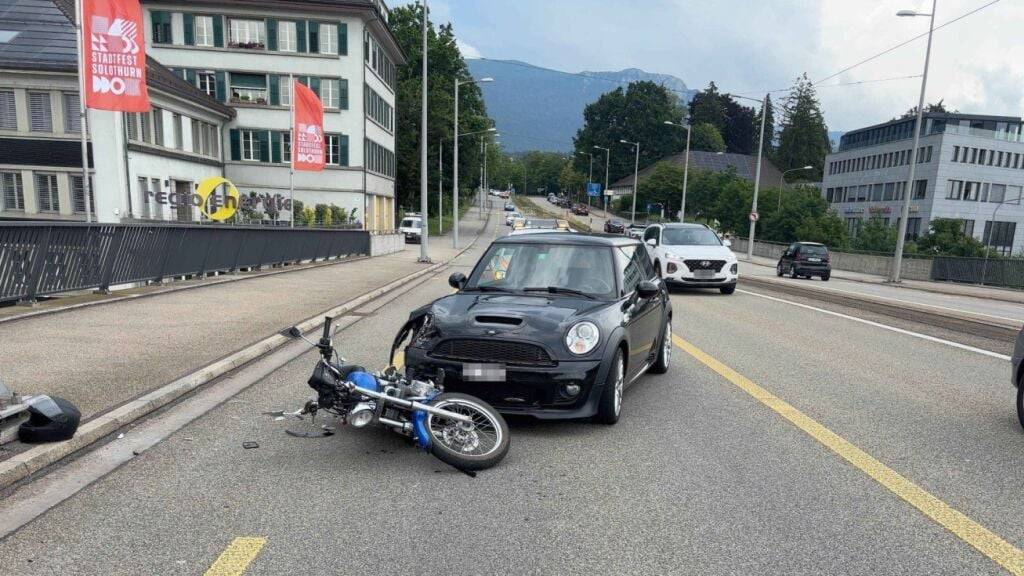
230, 206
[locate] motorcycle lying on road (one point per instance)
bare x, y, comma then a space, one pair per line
460, 430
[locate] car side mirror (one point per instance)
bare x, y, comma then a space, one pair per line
647, 289
727, 243
652, 242
457, 280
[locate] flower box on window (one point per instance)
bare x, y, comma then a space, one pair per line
247, 45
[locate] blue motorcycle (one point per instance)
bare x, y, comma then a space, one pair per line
460, 430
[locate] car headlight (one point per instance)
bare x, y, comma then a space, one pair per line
673, 256
425, 332
582, 338
735, 268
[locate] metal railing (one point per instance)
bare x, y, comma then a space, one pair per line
38, 259
1008, 272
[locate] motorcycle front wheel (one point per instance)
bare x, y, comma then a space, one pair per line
475, 445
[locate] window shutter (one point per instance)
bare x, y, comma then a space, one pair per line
264, 146
343, 94
275, 90
190, 75
158, 19
314, 85
221, 88
236, 144
275, 147
314, 37
218, 31
40, 116
343, 39
8, 113
300, 35
343, 147
189, 23
271, 34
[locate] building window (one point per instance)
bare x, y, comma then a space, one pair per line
78, 195
179, 138
249, 88
132, 122
999, 159
285, 91
971, 191
161, 27
204, 30
250, 146
197, 137
328, 38
286, 147
337, 149
876, 192
144, 197
999, 235
890, 191
40, 116
997, 193
72, 114
12, 196
928, 154
46, 193
954, 190
8, 111
207, 82
329, 93
286, 38
214, 135
967, 227
250, 34
974, 155
956, 153
920, 189
913, 228
158, 126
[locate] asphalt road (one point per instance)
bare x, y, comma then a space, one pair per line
702, 475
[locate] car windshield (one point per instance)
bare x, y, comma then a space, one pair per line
689, 237
540, 224
811, 250
410, 223
516, 267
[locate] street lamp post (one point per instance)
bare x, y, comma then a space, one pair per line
782, 182
686, 168
757, 173
455, 162
590, 174
991, 233
607, 159
636, 184
424, 257
908, 190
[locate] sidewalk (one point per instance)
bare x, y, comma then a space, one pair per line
99, 357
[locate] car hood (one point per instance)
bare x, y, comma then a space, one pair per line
489, 314
700, 252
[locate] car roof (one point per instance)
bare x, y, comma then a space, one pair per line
812, 244
555, 237
681, 225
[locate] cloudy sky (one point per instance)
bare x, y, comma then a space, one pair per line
748, 47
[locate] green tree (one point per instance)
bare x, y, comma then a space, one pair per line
570, 181
739, 133
664, 184
804, 138
827, 228
946, 236
733, 205
707, 107
706, 137
769, 129
636, 114
876, 236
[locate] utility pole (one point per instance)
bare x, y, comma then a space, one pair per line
757, 181
425, 231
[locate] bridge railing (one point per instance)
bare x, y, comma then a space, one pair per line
38, 259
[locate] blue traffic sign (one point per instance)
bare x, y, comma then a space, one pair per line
593, 189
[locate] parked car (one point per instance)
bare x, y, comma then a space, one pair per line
688, 254
510, 218
614, 226
805, 259
1018, 375
549, 325
581, 210
412, 228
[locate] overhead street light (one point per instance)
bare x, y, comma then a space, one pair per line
782, 182
686, 166
607, 159
636, 184
455, 163
908, 190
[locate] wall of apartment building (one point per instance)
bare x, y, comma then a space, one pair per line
341, 184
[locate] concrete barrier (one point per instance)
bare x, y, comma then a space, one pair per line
913, 268
381, 244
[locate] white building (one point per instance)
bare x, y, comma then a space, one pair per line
970, 168
244, 54
41, 177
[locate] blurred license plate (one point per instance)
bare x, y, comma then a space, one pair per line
814, 259
483, 372
704, 274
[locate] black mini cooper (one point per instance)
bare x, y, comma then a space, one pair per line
548, 325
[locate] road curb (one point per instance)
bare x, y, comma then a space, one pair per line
26, 463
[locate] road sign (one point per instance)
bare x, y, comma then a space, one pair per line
593, 189
754, 216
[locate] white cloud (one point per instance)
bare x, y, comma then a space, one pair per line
468, 50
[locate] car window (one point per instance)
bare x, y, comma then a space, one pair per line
631, 267
410, 223
690, 237
651, 232
810, 250
514, 267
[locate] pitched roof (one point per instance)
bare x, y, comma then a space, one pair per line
45, 40
744, 164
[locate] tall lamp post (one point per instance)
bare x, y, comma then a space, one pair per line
908, 190
590, 173
607, 159
455, 162
782, 182
686, 167
424, 257
757, 173
636, 184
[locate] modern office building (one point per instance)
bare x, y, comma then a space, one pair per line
969, 167
163, 153
245, 53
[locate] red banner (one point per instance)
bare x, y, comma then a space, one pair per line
114, 55
307, 130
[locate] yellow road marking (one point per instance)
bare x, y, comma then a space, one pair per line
237, 556
981, 538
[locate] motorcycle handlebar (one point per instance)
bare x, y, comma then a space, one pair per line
327, 327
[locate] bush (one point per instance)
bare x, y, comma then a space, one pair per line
308, 216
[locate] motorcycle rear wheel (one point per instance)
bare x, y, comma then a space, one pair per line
476, 446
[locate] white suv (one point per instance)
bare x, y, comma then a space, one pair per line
412, 228
692, 255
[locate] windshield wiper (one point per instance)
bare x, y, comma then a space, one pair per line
488, 289
558, 290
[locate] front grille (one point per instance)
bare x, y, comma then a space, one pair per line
486, 351
695, 265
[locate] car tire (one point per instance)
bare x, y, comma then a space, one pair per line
727, 289
778, 270
793, 274
609, 406
661, 363
1020, 400
825, 277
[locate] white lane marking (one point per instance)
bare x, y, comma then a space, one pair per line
884, 326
